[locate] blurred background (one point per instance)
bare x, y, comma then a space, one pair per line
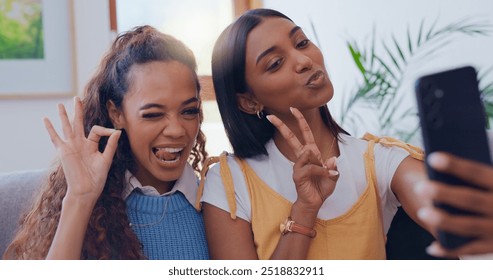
374, 51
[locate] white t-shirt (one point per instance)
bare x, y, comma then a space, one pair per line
276, 171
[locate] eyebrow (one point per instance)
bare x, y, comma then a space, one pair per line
293, 31
155, 105
271, 49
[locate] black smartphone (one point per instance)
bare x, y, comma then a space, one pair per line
453, 120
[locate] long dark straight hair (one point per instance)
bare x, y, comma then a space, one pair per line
247, 133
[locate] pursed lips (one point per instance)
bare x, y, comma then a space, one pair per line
315, 76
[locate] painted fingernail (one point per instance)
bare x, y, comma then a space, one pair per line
291, 109
434, 250
268, 118
419, 188
427, 215
333, 172
424, 188
437, 160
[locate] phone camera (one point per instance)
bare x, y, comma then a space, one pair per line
438, 93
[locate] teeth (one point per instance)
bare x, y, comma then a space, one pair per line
170, 150
168, 154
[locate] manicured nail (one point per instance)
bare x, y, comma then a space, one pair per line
268, 118
424, 188
427, 215
437, 160
434, 250
419, 188
333, 172
291, 109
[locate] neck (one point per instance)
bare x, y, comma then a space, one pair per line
164, 188
322, 135
147, 179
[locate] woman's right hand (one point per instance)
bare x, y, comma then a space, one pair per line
466, 198
85, 168
315, 178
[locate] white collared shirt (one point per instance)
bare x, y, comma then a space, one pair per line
186, 184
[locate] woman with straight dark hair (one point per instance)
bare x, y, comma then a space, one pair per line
126, 181
298, 185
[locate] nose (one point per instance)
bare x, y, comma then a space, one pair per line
173, 127
303, 62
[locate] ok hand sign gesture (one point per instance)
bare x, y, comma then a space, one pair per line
85, 168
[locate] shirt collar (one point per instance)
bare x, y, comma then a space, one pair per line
186, 184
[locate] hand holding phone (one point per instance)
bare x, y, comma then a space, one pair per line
452, 120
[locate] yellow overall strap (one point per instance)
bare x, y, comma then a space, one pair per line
414, 151
227, 180
200, 191
386, 141
371, 177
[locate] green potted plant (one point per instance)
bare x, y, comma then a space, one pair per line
383, 71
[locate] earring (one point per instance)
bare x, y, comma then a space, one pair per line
260, 114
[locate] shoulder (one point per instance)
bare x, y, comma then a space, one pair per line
350, 145
225, 188
352, 141
215, 167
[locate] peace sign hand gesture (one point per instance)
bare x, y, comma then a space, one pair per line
315, 178
85, 168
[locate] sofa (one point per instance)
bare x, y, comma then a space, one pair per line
17, 190
405, 239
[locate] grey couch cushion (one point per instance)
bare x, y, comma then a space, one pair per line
16, 196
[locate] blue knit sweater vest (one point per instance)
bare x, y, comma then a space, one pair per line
168, 227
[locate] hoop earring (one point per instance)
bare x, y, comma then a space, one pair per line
260, 114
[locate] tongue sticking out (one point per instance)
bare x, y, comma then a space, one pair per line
164, 155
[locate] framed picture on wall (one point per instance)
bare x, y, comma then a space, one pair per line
36, 49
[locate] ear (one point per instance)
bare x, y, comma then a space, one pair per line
116, 115
248, 103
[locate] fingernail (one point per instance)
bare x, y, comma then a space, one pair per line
291, 109
333, 172
419, 188
424, 188
331, 160
437, 160
427, 215
268, 118
433, 250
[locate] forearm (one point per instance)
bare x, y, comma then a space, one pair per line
294, 245
69, 237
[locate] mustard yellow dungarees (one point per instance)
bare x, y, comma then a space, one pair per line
357, 234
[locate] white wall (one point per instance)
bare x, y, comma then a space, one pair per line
24, 143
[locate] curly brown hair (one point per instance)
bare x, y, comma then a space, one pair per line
108, 234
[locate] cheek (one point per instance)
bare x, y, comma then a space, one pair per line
140, 137
318, 57
193, 130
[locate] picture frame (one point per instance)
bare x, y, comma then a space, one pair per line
54, 73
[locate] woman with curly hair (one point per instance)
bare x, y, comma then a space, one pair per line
127, 192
